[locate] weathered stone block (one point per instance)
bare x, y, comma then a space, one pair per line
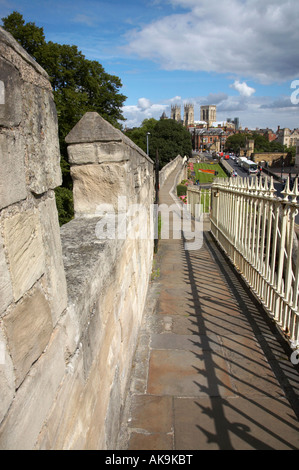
22, 236
98, 152
98, 184
112, 152
82, 153
12, 174
7, 380
59, 432
2, 92
6, 295
54, 269
42, 145
34, 398
11, 99
28, 327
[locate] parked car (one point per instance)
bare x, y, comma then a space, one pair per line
226, 157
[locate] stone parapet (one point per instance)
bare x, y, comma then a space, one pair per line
71, 299
179, 163
33, 293
104, 162
107, 277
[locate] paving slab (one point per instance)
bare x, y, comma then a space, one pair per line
234, 423
211, 371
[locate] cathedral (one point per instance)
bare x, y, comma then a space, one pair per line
207, 114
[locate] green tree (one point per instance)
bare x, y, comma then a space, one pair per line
79, 85
28, 35
236, 142
139, 134
167, 136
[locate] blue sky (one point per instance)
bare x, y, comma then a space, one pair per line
242, 55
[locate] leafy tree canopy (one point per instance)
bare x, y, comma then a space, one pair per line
236, 141
261, 144
167, 136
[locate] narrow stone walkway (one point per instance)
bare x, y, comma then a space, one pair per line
211, 371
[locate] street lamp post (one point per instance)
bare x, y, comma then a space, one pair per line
147, 146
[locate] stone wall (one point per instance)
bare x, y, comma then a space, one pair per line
268, 157
71, 302
179, 164
33, 294
107, 273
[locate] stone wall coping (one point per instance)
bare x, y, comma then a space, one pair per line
93, 128
8, 39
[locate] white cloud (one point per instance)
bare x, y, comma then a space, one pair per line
135, 114
144, 103
244, 37
243, 88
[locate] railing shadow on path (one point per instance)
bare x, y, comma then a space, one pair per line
219, 376
246, 319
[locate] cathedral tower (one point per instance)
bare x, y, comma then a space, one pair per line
208, 114
176, 113
188, 114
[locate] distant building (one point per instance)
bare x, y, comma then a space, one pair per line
288, 137
188, 115
212, 140
175, 113
270, 135
208, 114
235, 122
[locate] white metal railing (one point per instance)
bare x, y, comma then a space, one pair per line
198, 200
256, 230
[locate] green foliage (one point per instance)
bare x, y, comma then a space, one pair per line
261, 144
292, 154
171, 139
139, 134
167, 136
181, 190
79, 85
65, 204
236, 141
